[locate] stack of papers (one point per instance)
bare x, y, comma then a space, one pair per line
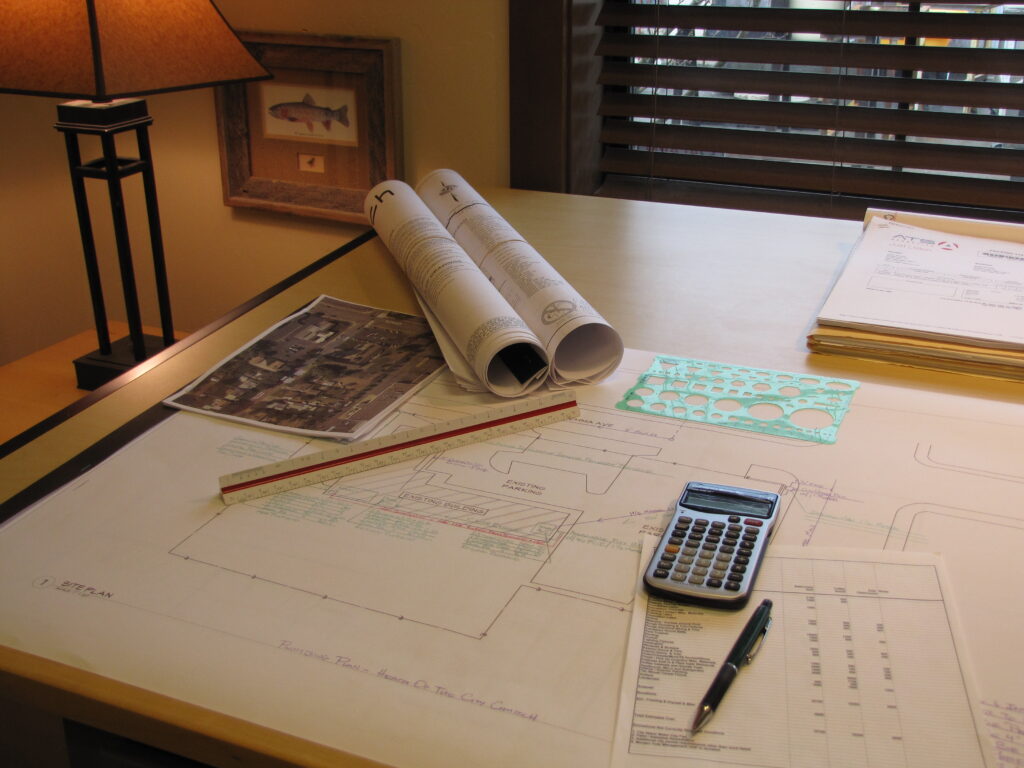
928, 298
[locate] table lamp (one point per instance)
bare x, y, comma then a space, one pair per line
104, 53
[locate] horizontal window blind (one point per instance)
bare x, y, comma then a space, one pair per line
887, 101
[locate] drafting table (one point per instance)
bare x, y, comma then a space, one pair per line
336, 687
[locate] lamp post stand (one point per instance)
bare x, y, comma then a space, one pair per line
106, 120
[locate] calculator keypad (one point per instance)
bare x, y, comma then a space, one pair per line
704, 556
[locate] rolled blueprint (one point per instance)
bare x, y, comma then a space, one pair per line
581, 346
484, 340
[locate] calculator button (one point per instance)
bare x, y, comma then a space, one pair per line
684, 520
752, 529
660, 573
695, 580
686, 559
734, 518
672, 549
704, 562
738, 569
715, 583
732, 586
726, 550
682, 568
709, 547
757, 523
723, 557
675, 540
718, 525
749, 537
690, 549
741, 560
718, 573
712, 539
734, 528
699, 571
678, 577
702, 521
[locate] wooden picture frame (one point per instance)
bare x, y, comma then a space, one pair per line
318, 136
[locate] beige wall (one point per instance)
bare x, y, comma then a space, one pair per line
455, 114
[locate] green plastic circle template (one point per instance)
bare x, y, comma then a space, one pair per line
798, 405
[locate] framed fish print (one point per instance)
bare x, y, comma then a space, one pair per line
317, 137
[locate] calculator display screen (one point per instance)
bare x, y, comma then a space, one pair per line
727, 504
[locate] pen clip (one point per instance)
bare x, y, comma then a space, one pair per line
757, 643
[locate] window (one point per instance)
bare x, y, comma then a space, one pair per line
812, 106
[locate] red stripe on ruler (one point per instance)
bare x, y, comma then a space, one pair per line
397, 447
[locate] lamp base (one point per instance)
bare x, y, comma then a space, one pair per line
95, 369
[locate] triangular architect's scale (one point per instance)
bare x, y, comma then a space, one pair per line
534, 411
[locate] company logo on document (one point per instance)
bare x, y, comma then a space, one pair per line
923, 243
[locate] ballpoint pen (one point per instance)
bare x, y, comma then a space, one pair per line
742, 653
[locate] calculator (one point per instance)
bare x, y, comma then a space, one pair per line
712, 547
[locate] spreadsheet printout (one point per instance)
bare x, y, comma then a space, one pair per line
861, 666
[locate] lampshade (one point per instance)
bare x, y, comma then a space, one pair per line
106, 49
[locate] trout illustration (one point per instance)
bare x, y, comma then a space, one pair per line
307, 111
